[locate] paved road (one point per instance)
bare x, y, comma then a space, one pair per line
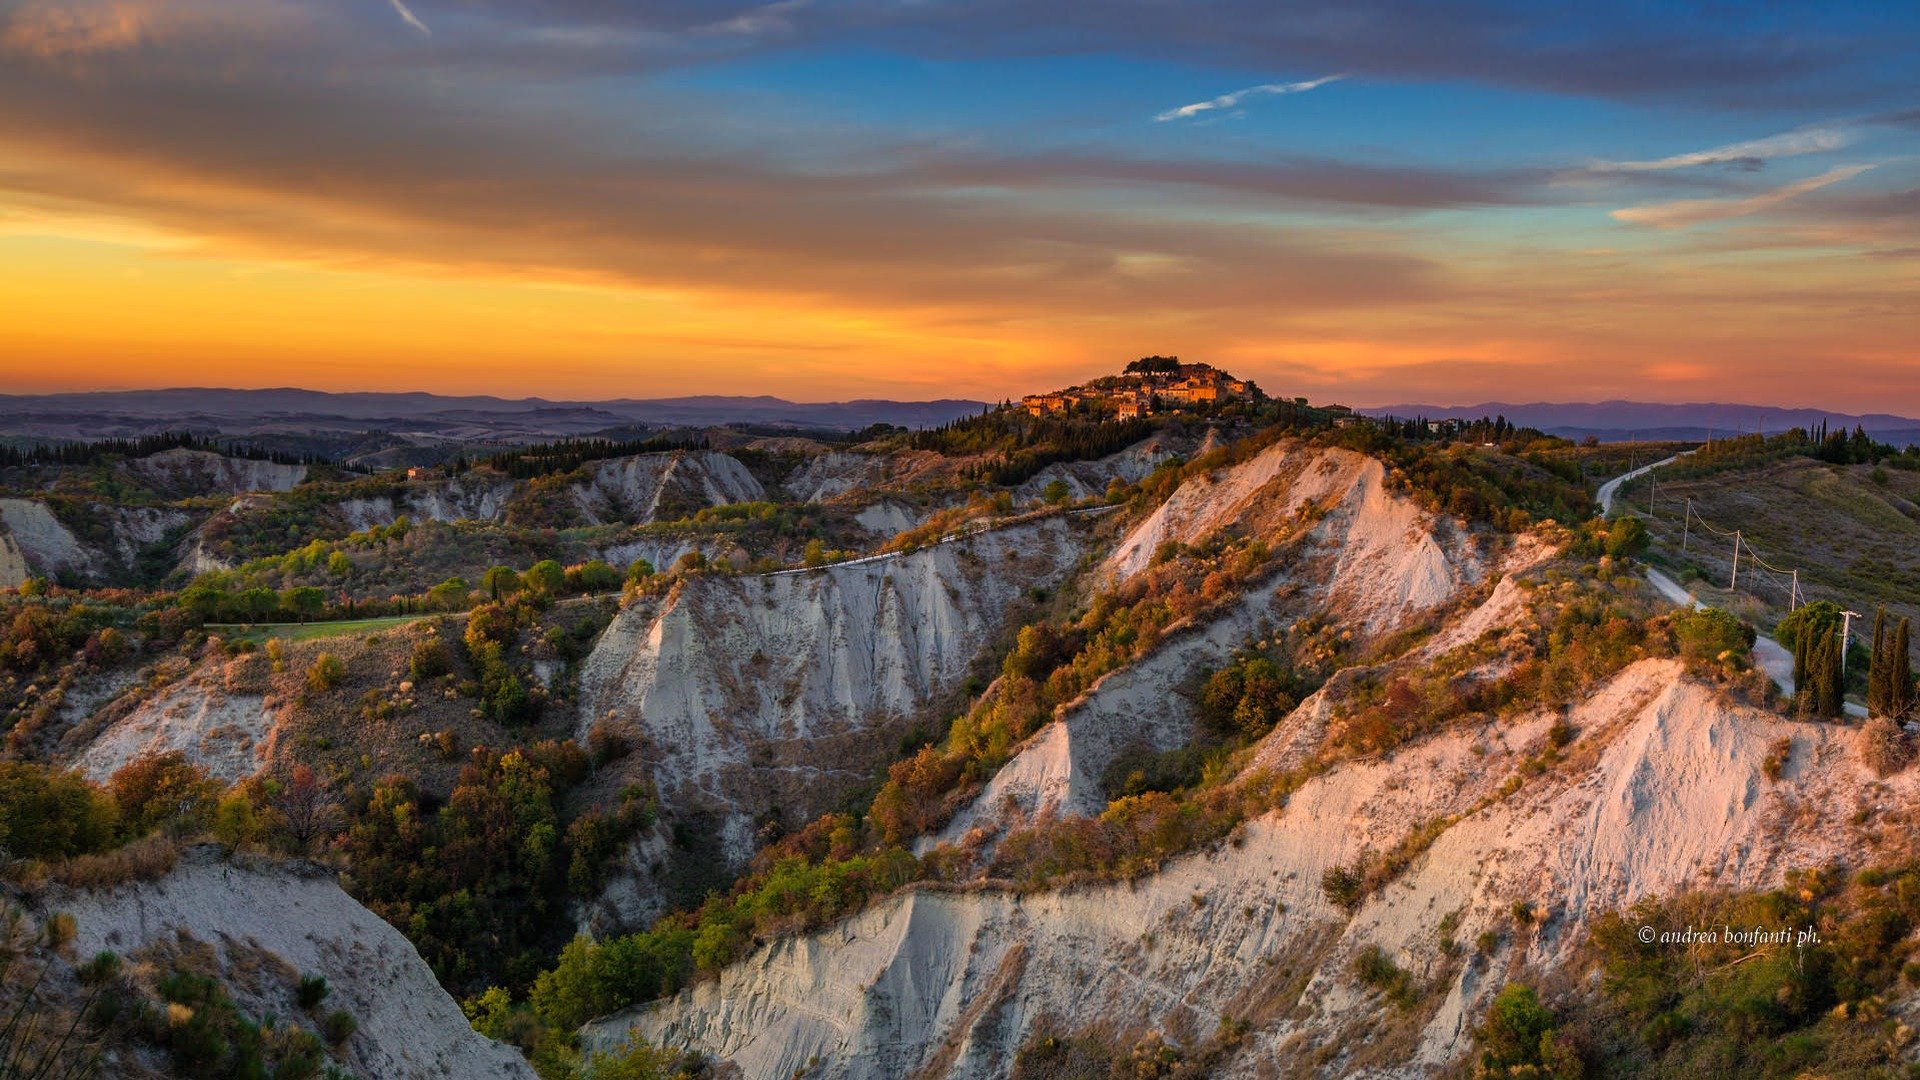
1612, 487
1772, 656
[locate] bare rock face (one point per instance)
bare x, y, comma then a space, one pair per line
1390, 558
830, 475
774, 693
14, 567
654, 487
1089, 479
223, 728
203, 472
294, 919
467, 497
35, 542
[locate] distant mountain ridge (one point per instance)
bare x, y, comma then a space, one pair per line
97, 414
1617, 420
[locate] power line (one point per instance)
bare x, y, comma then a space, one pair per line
1742, 548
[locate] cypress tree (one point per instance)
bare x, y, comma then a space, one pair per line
1824, 660
1800, 657
1900, 680
1836, 681
1816, 677
1879, 668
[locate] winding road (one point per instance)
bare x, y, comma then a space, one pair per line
1612, 487
1772, 656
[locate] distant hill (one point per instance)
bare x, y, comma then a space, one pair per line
1613, 421
431, 417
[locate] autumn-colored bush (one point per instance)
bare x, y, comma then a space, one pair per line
163, 788
1884, 746
326, 672
147, 859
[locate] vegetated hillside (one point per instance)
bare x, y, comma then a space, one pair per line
399, 697
1408, 842
1355, 561
1130, 758
1850, 528
1516, 773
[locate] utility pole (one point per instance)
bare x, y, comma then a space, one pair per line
1846, 621
1793, 604
1653, 485
1736, 561
1686, 524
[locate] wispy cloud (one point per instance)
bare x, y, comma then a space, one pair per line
1684, 212
406, 14
1233, 100
767, 19
50, 31
1750, 154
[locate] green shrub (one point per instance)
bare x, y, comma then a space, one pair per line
430, 660
1345, 888
1248, 698
639, 1060
311, 991
340, 1026
46, 814
101, 969
1376, 969
1710, 636
1517, 1039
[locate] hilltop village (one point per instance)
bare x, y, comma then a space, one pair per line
1149, 385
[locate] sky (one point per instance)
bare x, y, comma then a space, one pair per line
1373, 202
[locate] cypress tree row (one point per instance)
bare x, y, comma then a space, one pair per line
1823, 689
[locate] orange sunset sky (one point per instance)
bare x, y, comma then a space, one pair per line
1438, 203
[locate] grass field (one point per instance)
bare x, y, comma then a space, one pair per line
1852, 532
309, 631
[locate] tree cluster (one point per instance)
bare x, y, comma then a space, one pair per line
477, 883
1890, 676
1813, 632
566, 455
106, 450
